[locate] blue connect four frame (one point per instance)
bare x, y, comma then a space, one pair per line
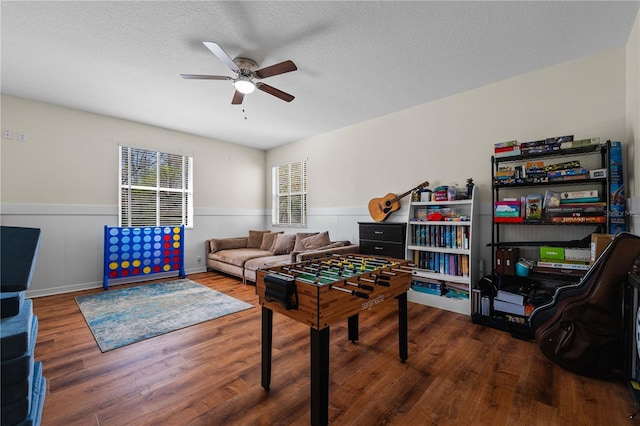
132, 252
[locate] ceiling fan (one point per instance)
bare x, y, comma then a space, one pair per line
246, 72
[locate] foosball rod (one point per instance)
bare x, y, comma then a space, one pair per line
349, 266
362, 286
299, 273
372, 260
352, 292
327, 274
336, 275
377, 280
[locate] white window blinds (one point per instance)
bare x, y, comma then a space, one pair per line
289, 206
155, 188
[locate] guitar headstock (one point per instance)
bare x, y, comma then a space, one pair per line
422, 185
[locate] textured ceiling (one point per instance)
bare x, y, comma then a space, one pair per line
356, 60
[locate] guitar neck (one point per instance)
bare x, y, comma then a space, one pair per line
404, 194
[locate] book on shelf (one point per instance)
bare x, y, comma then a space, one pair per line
562, 166
579, 200
579, 143
508, 307
577, 254
569, 178
568, 172
510, 153
456, 265
499, 149
563, 265
551, 199
505, 144
557, 271
590, 193
429, 287
579, 219
508, 219
530, 144
507, 296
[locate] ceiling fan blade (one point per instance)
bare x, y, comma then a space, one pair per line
205, 77
237, 98
281, 68
275, 92
222, 55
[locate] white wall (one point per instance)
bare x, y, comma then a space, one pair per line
445, 141
452, 139
64, 179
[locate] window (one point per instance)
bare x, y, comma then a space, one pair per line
156, 188
290, 195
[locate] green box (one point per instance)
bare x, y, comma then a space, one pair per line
552, 253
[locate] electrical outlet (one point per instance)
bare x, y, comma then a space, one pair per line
22, 137
199, 259
7, 134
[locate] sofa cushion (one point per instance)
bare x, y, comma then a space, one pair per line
316, 241
268, 239
283, 244
299, 245
262, 262
255, 239
227, 243
238, 256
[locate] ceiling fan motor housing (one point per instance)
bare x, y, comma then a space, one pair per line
246, 64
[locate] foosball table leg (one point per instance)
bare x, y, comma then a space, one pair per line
319, 377
353, 328
267, 335
403, 327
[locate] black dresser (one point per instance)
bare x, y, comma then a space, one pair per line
383, 239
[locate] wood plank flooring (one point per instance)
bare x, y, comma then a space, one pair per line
457, 373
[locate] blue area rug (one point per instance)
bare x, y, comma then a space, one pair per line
120, 317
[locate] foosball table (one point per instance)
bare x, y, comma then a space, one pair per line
321, 292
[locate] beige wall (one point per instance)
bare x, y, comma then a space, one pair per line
64, 179
71, 157
452, 139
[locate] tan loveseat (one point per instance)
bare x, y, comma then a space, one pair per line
243, 256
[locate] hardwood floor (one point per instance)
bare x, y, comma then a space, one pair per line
457, 373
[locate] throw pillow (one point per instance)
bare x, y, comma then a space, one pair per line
255, 239
332, 245
268, 239
316, 241
227, 243
283, 243
299, 246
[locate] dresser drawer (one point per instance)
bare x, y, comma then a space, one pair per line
382, 248
387, 232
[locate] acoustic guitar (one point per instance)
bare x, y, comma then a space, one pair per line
381, 208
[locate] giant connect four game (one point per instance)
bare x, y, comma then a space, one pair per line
133, 252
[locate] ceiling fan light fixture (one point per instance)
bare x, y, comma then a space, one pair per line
244, 85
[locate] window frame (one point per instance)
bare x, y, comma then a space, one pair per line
125, 184
277, 195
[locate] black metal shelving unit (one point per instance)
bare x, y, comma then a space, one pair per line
603, 184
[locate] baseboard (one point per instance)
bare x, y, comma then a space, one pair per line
98, 284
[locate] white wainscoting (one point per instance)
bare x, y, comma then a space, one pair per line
70, 257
